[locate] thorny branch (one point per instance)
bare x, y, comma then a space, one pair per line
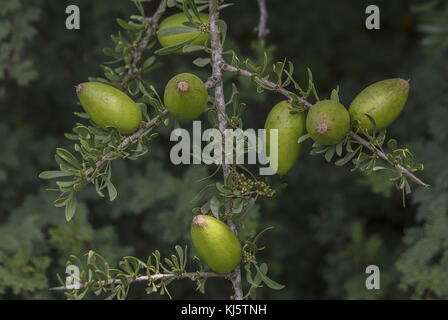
383, 156
355, 136
262, 28
136, 56
215, 81
155, 277
151, 31
217, 60
143, 130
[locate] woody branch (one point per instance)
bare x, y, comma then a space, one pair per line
155, 277
220, 105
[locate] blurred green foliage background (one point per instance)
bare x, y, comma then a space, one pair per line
329, 223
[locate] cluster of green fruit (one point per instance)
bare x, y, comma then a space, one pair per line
329, 122
185, 94
185, 97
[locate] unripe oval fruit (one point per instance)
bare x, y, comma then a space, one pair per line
185, 96
108, 106
328, 122
177, 20
383, 101
290, 128
215, 243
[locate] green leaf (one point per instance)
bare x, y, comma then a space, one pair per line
129, 26
175, 30
249, 276
223, 189
173, 49
222, 25
205, 209
407, 187
65, 184
53, 174
190, 4
191, 24
171, 3
339, 148
70, 207
193, 48
214, 6
201, 62
111, 53
347, 158
68, 157
60, 202
148, 62
214, 206
111, 190
262, 271
330, 153
303, 138
335, 94
381, 137
392, 144
82, 115
237, 206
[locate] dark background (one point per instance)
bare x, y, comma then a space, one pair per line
329, 223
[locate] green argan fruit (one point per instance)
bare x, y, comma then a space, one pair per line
328, 122
177, 21
383, 101
109, 107
215, 243
290, 128
185, 96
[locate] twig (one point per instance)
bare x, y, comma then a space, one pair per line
153, 21
144, 129
220, 105
155, 277
267, 83
383, 156
262, 28
360, 140
136, 55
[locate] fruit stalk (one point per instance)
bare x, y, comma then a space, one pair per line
217, 61
241, 72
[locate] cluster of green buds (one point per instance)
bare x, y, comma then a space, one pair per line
248, 256
249, 186
204, 28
